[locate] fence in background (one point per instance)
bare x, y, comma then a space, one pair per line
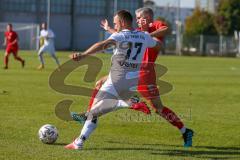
203, 45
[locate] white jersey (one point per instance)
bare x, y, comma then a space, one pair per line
130, 48
126, 62
48, 36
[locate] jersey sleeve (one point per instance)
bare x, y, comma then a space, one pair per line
159, 24
50, 34
16, 35
150, 41
43, 34
116, 36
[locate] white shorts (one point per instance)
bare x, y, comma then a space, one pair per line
116, 88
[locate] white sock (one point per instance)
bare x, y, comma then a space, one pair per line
122, 104
87, 129
183, 130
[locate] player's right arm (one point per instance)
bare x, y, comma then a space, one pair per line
153, 42
161, 32
97, 47
162, 29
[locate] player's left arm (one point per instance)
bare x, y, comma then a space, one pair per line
161, 32
5, 41
97, 47
15, 40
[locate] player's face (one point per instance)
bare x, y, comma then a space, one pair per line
44, 26
117, 24
142, 21
9, 28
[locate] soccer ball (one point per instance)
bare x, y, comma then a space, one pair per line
48, 134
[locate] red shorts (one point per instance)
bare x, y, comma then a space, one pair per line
147, 86
12, 49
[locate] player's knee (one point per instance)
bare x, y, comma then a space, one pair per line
157, 105
91, 117
40, 54
97, 86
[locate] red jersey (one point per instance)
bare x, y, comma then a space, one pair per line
11, 36
147, 81
150, 54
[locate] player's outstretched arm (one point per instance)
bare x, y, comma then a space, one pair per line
97, 47
161, 32
106, 27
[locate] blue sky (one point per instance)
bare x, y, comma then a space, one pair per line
184, 3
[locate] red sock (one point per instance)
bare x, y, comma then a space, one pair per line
6, 61
171, 117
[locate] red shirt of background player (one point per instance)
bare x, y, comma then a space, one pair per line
11, 46
150, 54
147, 80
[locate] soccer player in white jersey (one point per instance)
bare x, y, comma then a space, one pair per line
123, 76
48, 46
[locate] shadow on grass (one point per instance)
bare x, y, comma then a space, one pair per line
209, 152
59, 144
213, 154
233, 148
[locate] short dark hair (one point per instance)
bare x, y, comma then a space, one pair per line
9, 24
125, 16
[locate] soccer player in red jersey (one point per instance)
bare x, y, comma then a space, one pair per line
147, 82
11, 43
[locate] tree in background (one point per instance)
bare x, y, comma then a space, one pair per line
200, 22
227, 19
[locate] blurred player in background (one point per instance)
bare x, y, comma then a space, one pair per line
11, 43
41, 39
48, 45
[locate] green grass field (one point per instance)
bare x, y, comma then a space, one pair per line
206, 95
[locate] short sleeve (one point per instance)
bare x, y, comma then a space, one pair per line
116, 36
150, 41
16, 35
43, 33
159, 24
50, 34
